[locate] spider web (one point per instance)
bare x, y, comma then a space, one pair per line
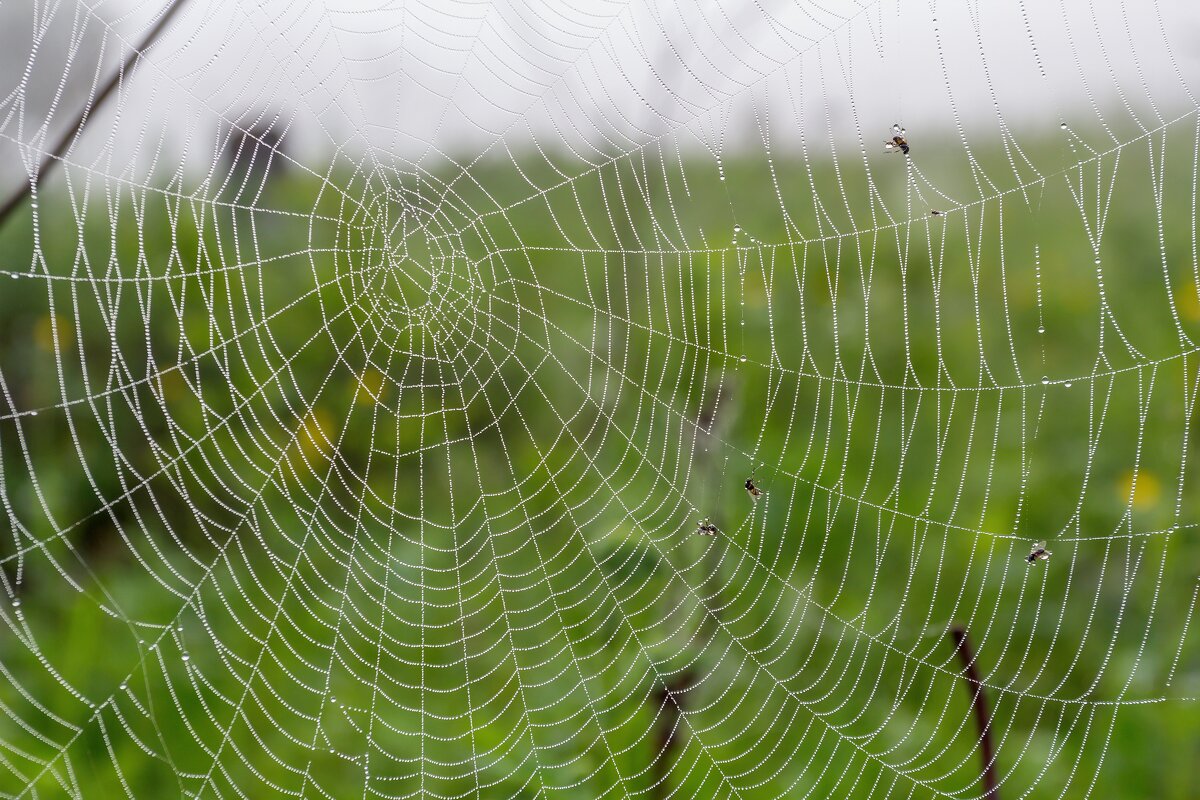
368, 368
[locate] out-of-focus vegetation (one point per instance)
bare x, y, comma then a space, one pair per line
440, 431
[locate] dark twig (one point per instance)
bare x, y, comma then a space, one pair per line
670, 699
56, 153
983, 720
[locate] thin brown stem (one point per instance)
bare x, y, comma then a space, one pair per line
73, 131
671, 700
983, 720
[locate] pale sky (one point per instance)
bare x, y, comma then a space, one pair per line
413, 79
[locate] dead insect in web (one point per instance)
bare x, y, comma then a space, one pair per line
1038, 552
898, 142
706, 528
753, 490
933, 212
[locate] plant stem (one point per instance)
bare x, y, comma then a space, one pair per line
983, 720
74, 130
670, 698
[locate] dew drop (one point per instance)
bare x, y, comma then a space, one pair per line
743, 359
737, 228
186, 657
17, 602
124, 687
1045, 380
1067, 385
1041, 330
1063, 126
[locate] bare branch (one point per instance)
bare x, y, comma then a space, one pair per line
671, 699
991, 787
73, 131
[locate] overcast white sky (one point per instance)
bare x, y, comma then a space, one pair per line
417, 78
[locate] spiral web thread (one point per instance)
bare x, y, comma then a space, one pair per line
369, 368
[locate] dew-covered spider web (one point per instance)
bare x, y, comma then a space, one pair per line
380, 383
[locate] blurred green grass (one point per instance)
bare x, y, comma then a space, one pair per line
263, 360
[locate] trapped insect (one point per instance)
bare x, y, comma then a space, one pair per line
706, 528
1038, 553
935, 213
898, 142
753, 490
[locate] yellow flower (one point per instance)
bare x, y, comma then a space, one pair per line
370, 385
1188, 301
1146, 492
53, 333
313, 438
171, 384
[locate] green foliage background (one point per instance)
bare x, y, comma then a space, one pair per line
539, 349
